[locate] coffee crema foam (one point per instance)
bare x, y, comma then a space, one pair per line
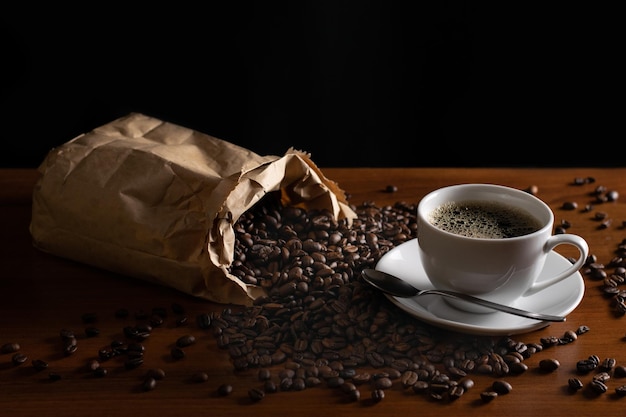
483, 219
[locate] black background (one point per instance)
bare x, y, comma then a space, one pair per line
360, 83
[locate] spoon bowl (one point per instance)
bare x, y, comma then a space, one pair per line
397, 287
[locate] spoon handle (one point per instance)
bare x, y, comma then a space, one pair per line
495, 306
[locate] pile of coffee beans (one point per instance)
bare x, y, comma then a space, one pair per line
320, 323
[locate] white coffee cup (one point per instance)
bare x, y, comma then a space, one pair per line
498, 269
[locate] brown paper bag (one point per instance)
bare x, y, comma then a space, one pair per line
157, 201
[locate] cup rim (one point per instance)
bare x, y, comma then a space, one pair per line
547, 220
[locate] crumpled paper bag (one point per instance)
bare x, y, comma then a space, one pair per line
157, 201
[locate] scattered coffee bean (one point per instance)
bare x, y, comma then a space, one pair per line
204, 321
185, 341
10, 347
264, 374
532, 189
92, 365
620, 391
549, 365
619, 371
224, 390
587, 365
149, 384
54, 376
200, 377
518, 368
177, 353
602, 376
256, 394
19, 358
574, 384
156, 373
391, 189
92, 331
378, 395
488, 396
569, 205
355, 395
67, 334
608, 364
598, 386
455, 392
132, 363
39, 364
501, 386
383, 383
270, 386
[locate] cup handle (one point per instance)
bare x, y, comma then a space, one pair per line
553, 242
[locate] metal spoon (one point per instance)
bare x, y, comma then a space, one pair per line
395, 286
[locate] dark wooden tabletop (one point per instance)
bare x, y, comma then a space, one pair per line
42, 295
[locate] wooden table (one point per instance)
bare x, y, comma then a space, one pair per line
41, 294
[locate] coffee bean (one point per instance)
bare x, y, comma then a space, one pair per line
54, 376
177, 353
264, 374
466, 383
455, 392
185, 341
608, 364
204, 320
355, 395
200, 377
602, 376
619, 371
149, 384
501, 387
574, 384
156, 373
549, 365
409, 378
256, 394
391, 189
91, 331
270, 386
570, 205
518, 367
67, 334
224, 390
92, 365
383, 383
598, 386
39, 364
488, 396
19, 358
378, 395
133, 363
298, 384
10, 347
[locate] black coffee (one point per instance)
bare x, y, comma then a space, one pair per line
484, 219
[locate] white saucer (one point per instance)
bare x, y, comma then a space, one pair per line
560, 299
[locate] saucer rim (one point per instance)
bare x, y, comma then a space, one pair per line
524, 325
